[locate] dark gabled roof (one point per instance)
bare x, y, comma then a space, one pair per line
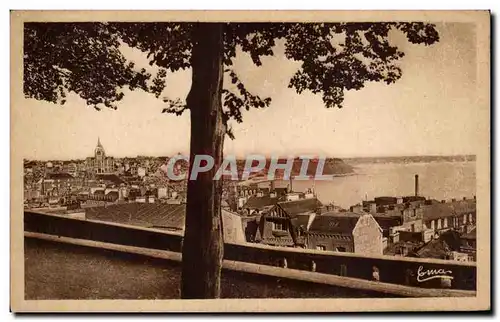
159, 215
395, 248
300, 221
412, 199
391, 213
470, 235
260, 202
385, 200
59, 175
110, 177
448, 209
436, 248
29, 163
334, 224
409, 236
112, 194
281, 190
301, 206
386, 222
343, 214
452, 239
417, 203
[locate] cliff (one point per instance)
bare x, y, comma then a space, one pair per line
333, 166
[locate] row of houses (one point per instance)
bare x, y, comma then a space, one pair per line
306, 223
405, 226
278, 216
58, 188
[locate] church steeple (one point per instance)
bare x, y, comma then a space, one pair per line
101, 163
99, 149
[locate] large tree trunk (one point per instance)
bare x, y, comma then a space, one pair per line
203, 239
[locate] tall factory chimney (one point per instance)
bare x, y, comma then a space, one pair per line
416, 185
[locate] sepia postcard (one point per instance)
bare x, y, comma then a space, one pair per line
250, 161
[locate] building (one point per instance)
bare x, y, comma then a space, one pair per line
233, 227
454, 214
109, 179
163, 192
303, 206
100, 163
57, 184
70, 167
259, 203
31, 194
141, 172
281, 224
346, 232
436, 248
301, 223
405, 223
275, 228
469, 244
448, 246
469, 238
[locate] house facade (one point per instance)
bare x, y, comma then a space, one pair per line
233, 227
346, 232
456, 215
367, 236
57, 184
275, 228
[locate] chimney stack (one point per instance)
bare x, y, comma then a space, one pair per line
416, 185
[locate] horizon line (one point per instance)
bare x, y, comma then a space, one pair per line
267, 156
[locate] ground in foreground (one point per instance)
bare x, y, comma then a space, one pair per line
62, 271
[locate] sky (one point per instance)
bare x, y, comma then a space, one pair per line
429, 111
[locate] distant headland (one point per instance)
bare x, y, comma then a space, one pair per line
410, 159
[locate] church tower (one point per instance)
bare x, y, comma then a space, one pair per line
99, 158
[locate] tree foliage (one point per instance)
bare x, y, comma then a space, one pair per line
85, 59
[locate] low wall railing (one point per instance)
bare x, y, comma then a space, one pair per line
338, 286
416, 272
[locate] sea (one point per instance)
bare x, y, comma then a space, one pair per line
440, 180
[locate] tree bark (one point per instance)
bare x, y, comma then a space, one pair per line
203, 244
